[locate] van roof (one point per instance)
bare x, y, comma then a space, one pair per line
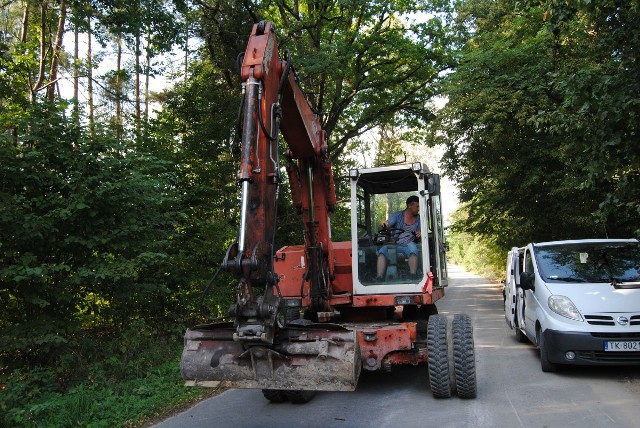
584, 241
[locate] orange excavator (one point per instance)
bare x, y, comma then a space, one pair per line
311, 317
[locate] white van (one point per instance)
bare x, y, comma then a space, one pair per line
577, 301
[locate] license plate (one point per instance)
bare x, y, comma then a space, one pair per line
622, 346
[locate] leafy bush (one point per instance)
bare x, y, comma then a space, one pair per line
120, 380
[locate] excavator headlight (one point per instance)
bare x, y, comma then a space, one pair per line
354, 173
403, 300
417, 167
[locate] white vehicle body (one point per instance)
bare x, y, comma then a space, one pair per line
578, 301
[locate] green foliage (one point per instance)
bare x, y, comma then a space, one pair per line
599, 115
362, 63
92, 236
538, 126
477, 254
194, 130
121, 380
86, 227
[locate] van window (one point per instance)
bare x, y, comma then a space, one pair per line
590, 262
528, 262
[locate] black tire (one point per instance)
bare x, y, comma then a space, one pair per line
439, 369
274, 395
464, 357
300, 397
546, 365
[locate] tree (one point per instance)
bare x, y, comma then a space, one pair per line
598, 118
162, 30
517, 165
86, 232
362, 63
44, 53
193, 131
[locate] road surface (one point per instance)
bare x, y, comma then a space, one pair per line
512, 389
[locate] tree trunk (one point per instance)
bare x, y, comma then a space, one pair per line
186, 53
118, 119
25, 24
43, 52
76, 77
24, 31
137, 90
57, 49
90, 79
147, 74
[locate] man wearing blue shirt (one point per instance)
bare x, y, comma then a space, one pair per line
407, 222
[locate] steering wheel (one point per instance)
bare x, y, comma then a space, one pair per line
385, 235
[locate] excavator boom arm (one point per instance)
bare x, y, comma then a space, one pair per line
274, 102
259, 350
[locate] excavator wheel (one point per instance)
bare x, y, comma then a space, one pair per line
274, 395
300, 397
464, 356
439, 367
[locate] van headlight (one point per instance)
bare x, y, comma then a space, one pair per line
562, 305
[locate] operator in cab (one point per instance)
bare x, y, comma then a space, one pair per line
407, 223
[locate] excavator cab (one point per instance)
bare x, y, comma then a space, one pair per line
384, 265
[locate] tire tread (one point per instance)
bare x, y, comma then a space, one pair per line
439, 369
464, 359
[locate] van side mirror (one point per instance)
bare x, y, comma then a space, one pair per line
527, 280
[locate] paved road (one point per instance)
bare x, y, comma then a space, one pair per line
512, 390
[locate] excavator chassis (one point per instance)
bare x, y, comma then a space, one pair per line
317, 357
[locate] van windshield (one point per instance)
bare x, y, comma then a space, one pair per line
590, 262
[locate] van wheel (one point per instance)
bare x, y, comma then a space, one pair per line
437, 346
464, 358
547, 366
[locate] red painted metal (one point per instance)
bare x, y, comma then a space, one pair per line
368, 333
385, 344
291, 264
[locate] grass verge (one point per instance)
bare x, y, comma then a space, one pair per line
122, 389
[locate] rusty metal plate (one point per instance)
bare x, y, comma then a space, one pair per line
303, 359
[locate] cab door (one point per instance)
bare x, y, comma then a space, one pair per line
528, 303
440, 246
510, 287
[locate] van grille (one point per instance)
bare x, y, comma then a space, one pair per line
599, 320
609, 320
